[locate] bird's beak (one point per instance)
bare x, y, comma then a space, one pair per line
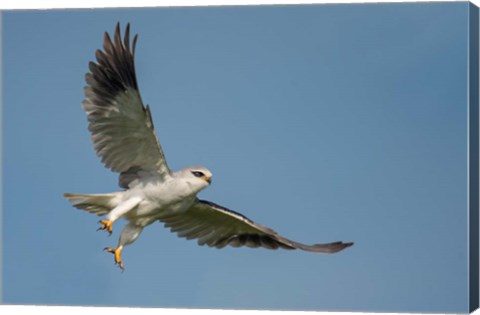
208, 179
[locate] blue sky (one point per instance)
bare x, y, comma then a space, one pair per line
326, 123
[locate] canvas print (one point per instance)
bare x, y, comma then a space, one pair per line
294, 157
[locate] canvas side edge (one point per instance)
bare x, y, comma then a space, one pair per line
473, 155
1, 156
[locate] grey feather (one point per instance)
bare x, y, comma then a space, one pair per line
217, 226
122, 128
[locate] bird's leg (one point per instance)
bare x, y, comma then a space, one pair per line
129, 234
106, 225
117, 252
117, 212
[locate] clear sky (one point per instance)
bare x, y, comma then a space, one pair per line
326, 123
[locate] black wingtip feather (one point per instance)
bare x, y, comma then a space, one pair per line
115, 68
126, 40
118, 39
107, 43
134, 44
330, 248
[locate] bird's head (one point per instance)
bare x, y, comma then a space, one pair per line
198, 177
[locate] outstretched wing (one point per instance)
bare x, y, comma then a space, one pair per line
218, 227
121, 126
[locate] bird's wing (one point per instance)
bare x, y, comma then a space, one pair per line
218, 227
121, 126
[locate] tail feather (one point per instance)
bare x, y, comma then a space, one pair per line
99, 204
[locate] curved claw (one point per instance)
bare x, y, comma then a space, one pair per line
106, 225
117, 254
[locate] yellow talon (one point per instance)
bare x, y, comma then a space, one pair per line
117, 254
106, 225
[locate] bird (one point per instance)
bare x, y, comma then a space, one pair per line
124, 138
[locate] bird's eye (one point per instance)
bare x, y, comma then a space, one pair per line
198, 174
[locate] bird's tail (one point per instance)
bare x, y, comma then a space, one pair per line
99, 204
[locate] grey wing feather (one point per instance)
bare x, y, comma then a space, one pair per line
121, 126
217, 226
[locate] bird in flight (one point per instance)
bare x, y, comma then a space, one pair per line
123, 137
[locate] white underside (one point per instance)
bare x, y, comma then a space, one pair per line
149, 199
